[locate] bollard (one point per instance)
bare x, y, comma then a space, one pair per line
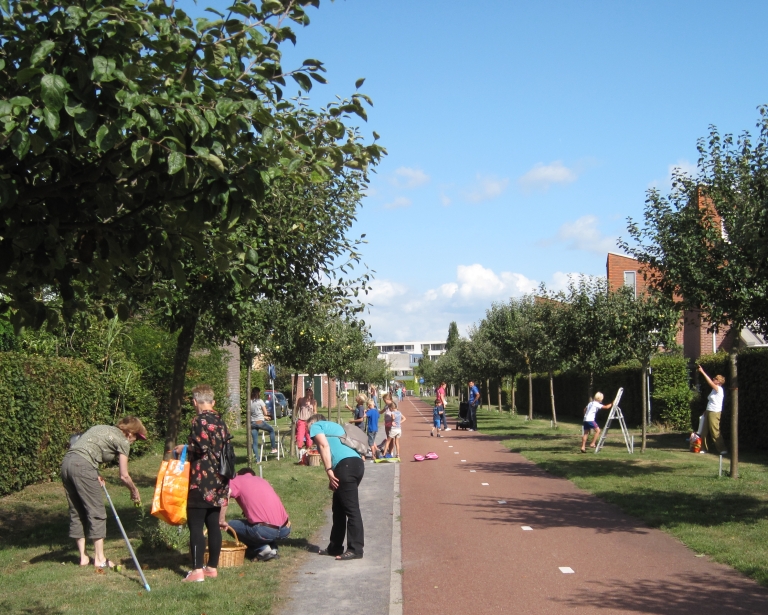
720, 472
261, 471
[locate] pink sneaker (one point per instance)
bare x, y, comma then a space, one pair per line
194, 576
211, 573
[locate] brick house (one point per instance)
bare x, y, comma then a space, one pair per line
623, 270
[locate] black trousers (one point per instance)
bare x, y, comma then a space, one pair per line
347, 518
196, 519
473, 416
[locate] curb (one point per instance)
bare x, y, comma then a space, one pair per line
396, 572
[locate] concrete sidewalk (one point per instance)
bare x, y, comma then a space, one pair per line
372, 585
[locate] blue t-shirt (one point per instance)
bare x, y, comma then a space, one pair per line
339, 451
472, 393
373, 420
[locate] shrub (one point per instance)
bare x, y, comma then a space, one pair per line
46, 399
671, 393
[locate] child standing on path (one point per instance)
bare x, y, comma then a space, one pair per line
372, 426
395, 430
590, 413
388, 428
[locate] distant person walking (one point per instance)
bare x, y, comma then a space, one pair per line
713, 413
474, 402
306, 407
590, 414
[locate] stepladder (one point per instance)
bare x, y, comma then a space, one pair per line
616, 414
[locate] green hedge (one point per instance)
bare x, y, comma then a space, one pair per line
670, 394
753, 396
45, 400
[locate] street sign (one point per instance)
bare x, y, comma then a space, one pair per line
421, 380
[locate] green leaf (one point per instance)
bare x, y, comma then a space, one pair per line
51, 119
20, 101
20, 143
176, 162
272, 6
84, 121
102, 68
25, 74
141, 151
215, 162
106, 138
41, 52
359, 83
211, 117
304, 82
53, 90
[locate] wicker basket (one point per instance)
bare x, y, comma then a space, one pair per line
314, 459
232, 553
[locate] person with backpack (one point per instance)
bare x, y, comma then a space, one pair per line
345, 469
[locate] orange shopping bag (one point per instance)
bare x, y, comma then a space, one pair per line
170, 500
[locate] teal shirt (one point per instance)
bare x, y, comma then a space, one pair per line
339, 451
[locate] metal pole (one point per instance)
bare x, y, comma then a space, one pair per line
128, 542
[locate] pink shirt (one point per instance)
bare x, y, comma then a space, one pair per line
258, 500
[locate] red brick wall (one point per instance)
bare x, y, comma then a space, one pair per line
319, 395
615, 267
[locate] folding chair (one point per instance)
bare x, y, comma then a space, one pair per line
264, 452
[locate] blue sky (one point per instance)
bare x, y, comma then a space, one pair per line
521, 135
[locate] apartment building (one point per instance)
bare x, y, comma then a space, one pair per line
403, 357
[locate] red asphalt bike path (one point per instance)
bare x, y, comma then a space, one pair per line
464, 552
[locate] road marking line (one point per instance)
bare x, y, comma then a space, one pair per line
473, 470
566, 570
455, 452
484, 484
526, 528
463, 461
502, 501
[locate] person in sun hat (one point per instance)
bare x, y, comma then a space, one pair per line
83, 484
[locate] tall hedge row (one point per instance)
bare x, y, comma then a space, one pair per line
45, 400
753, 396
670, 393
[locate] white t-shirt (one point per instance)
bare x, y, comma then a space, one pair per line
715, 400
592, 409
258, 408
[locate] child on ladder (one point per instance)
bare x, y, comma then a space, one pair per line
590, 413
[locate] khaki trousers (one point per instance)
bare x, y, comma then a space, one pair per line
712, 430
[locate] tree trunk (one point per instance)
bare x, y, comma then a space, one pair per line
338, 401
552, 397
248, 432
734, 415
530, 395
498, 390
513, 407
180, 360
294, 390
644, 397
488, 392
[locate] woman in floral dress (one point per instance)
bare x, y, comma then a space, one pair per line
208, 490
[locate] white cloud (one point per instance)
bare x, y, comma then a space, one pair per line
400, 313
384, 292
542, 176
406, 177
400, 201
445, 200
487, 187
582, 234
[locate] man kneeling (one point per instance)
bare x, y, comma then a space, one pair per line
265, 521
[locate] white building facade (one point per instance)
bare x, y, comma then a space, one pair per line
403, 357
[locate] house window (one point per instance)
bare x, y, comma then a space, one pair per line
630, 279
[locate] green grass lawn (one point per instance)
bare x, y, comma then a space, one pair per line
667, 487
39, 562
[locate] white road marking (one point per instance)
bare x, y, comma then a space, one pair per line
484, 484
502, 501
526, 528
566, 570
